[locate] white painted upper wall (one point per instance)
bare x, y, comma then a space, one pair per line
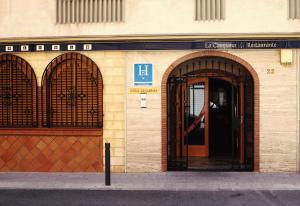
37, 18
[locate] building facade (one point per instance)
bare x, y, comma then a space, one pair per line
171, 85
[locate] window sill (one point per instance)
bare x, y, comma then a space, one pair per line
51, 132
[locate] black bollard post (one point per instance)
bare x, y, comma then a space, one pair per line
107, 164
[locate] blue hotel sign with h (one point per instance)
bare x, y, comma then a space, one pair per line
143, 74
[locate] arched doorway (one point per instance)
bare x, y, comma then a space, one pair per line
210, 113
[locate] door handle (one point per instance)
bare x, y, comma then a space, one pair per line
241, 119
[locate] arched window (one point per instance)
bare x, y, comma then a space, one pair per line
72, 93
18, 89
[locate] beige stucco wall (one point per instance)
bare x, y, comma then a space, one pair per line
278, 111
36, 18
112, 67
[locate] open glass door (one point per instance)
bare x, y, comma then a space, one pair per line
177, 160
239, 156
242, 125
195, 129
248, 124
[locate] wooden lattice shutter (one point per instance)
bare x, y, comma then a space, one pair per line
74, 92
17, 93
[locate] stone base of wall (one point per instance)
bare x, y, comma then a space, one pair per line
51, 154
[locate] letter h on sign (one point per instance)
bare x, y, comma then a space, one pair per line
143, 74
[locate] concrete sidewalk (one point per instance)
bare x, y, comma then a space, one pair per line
171, 181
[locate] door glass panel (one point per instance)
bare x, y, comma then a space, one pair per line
196, 99
196, 118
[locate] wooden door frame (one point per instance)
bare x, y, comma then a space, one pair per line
242, 126
203, 54
195, 150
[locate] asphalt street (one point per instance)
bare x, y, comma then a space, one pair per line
22, 197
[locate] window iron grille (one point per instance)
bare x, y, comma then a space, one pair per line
72, 93
18, 93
